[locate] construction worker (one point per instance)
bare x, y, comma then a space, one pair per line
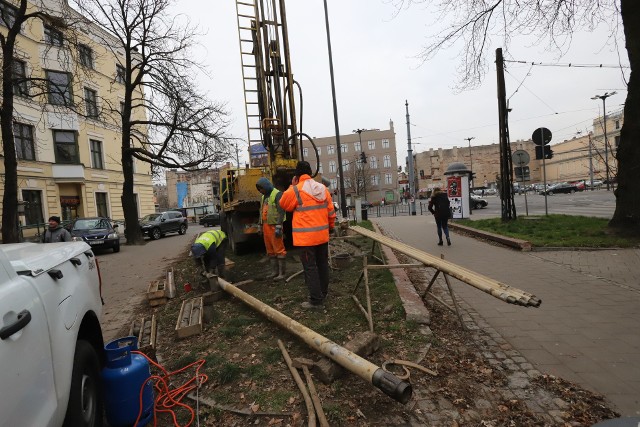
208, 250
271, 219
313, 220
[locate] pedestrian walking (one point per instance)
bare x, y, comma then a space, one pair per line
208, 250
313, 219
271, 218
439, 206
55, 232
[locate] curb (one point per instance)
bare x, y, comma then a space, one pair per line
523, 245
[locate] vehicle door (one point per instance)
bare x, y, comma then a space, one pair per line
26, 378
165, 222
175, 220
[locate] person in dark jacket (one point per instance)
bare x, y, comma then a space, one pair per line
55, 233
439, 207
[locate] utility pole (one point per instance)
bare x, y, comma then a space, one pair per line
363, 161
606, 143
470, 173
237, 156
343, 196
590, 163
506, 183
412, 185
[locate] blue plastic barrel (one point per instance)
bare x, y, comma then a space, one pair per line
122, 379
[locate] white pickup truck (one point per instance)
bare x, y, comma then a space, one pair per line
51, 346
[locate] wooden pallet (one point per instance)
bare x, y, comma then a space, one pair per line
156, 289
146, 330
190, 318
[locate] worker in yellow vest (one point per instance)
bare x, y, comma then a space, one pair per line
271, 218
208, 250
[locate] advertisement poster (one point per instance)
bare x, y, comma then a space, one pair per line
454, 191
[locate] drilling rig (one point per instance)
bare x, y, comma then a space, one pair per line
270, 113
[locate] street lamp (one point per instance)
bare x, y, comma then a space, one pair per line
470, 170
363, 160
606, 143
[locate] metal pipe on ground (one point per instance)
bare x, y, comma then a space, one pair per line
486, 284
388, 383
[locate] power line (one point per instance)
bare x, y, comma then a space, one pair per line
568, 65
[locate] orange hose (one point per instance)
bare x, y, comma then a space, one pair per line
167, 398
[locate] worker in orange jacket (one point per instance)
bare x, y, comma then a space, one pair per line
313, 220
271, 218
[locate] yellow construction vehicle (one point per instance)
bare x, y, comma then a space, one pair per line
271, 117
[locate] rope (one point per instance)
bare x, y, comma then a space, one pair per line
168, 398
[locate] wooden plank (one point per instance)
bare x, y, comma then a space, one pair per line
156, 289
155, 302
190, 318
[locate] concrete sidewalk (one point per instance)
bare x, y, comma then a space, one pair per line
587, 329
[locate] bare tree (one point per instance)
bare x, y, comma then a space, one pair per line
166, 120
61, 48
474, 23
359, 176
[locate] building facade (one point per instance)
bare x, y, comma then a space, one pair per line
373, 180
572, 159
68, 138
190, 189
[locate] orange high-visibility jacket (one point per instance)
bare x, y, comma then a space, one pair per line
313, 212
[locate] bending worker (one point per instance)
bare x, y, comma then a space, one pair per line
313, 219
209, 249
271, 219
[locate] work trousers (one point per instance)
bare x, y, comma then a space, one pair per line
215, 256
274, 245
315, 261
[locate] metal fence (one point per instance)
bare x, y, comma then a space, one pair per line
399, 209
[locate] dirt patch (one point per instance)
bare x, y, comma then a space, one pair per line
246, 372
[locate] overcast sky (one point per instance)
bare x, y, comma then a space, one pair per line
376, 70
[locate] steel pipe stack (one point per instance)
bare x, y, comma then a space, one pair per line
388, 383
486, 284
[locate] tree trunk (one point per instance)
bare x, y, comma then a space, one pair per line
10, 231
129, 206
627, 215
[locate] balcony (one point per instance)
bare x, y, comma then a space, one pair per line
67, 173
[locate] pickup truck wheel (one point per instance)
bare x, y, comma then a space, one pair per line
156, 234
182, 230
85, 403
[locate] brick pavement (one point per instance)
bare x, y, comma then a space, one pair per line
586, 329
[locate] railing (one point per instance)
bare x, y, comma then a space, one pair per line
398, 209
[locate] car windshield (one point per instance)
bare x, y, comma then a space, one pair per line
151, 217
89, 224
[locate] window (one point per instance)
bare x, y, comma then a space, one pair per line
319, 151
53, 36
33, 207
332, 166
85, 54
20, 87
373, 162
386, 161
66, 147
90, 102
347, 183
385, 143
372, 145
344, 148
59, 88
617, 124
96, 154
102, 207
374, 179
616, 140
7, 14
331, 149
388, 179
120, 72
357, 146
334, 183
305, 151
320, 168
23, 137
345, 165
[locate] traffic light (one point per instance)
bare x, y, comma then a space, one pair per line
548, 152
363, 157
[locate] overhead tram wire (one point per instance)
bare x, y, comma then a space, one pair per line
567, 65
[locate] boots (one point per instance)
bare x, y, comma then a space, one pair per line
282, 269
440, 242
274, 267
448, 241
221, 270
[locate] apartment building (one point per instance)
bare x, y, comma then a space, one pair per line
373, 180
67, 131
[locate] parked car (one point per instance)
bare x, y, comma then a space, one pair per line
365, 204
210, 220
596, 183
97, 232
562, 188
158, 224
51, 344
580, 185
478, 202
